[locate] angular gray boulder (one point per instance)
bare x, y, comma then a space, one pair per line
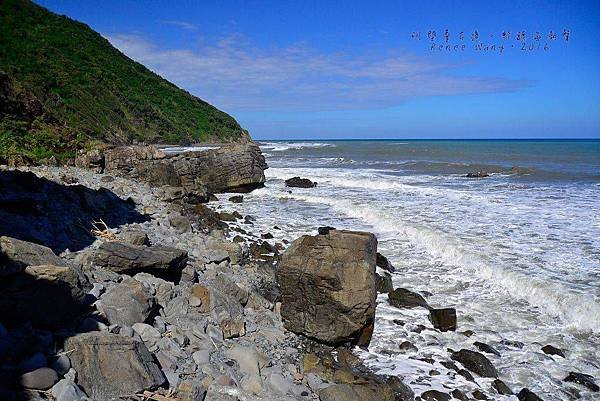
131, 259
328, 286
127, 303
15, 255
110, 366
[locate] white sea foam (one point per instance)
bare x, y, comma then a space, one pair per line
283, 146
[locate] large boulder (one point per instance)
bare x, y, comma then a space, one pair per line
328, 286
15, 255
403, 298
127, 303
123, 258
47, 296
110, 366
232, 167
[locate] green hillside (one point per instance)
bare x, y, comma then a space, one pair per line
63, 86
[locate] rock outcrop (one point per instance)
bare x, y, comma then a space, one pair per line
110, 366
236, 167
15, 255
123, 258
328, 286
476, 363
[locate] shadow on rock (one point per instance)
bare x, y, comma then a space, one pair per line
58, 216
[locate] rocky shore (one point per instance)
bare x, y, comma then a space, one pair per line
119, 282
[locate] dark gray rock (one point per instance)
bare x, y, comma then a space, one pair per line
476, 363
236, 199
384, 263
67, 390
16, 255
528, 395
39, 379
583, 379
298, 182
435, 395
159, 260
403, 298
477, 174
501, 387
127, 303
552, 350
111, 366
443, 319
328, 286
61, 365
383, 283
483, 347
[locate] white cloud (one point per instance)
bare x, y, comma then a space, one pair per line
238, 77
183, 25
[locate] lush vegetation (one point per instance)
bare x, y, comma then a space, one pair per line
62, 85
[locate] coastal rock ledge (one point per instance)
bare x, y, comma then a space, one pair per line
328, 286
237, 167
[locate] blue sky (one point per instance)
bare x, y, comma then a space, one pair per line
323, 69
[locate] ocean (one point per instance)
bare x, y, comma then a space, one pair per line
516, 253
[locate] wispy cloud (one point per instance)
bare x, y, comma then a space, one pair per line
237, 76
182, 24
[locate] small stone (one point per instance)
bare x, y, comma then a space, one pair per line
149, 335
459, 395
552, 350
528, 395
407, 346
483, 347
236, 199
39, 379
443, 319
252, 383
475, 362
279, 384
501, 387
479, 395
201, 357
61, 365
435, 395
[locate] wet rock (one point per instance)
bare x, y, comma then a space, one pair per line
236, 199
324, 230
328, 286
528, 395
501, 387
483, 347
512, 343
403, 298
407, 346
477, 174
552, 350
459, 395
435, 395
384, 263
479, 395
298, 182
401, 391
127, 303
15, 255
383, 283
25, 297
131, 259
476, 363
443, 319
112, 366
39, 379
583, 379
466, 374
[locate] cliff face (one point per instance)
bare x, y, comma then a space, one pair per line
63, 86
